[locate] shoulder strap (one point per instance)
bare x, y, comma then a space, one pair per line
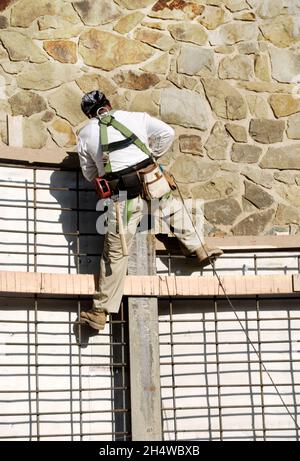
104, 145
130, 135
130, 138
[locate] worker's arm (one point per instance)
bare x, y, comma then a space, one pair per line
160, 136
88, 166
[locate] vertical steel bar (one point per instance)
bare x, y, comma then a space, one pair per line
34, 220
293, 371
169, 264
77, 263
172, 354
30, 406
125, 371
119, 377
30, 403
77, 224
261, 371
37, 391
112, 376
218, 368
206, 374
36, 306
27, 226
173, 368
255, 265
249, 350
71, 377
80, 373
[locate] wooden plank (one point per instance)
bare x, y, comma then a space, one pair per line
26, 156
144, 344
251, 242
15, 130
246, 242
20, 282
296, 283
149, 286
208, 286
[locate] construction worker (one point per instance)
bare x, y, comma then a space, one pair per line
117, 149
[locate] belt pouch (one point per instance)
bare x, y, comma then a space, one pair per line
155, 185
130, 183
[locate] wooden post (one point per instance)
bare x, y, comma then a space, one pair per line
144, 348
15, 131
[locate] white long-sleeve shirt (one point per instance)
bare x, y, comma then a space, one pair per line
157, 135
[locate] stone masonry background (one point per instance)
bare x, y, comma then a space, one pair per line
225, 74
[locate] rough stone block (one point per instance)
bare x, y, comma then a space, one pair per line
184, 107
225, 100
267, 131
254, 224
107, 51
245, 153
222, 212
256, 195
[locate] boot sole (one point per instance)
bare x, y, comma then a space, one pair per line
209, 260
206, 262
92, 324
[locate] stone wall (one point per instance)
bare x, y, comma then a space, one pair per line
224, 74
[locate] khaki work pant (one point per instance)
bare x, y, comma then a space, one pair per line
169, 212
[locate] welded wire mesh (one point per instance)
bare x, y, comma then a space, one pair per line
214, 386
58, 380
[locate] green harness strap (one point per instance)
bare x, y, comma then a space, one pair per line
103, 124
128, 210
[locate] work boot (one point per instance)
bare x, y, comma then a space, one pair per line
94, 318
206, 255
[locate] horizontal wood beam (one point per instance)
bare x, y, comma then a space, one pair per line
152, 286
53, 157
258, 241
245, 242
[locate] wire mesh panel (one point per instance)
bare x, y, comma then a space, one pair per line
214, 382
237, 262
48, 221
58, 380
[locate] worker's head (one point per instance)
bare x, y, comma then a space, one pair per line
93, 101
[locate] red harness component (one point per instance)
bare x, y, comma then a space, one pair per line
102, 187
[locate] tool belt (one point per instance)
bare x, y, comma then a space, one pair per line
145, 178
128, 179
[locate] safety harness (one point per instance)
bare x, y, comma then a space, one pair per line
130, 138
125, 180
